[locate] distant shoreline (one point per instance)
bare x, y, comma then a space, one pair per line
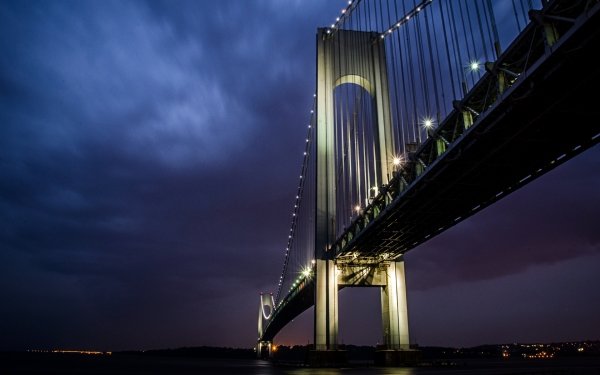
579, 349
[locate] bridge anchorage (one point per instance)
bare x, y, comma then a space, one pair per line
411, 176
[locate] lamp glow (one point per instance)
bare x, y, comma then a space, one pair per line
428, 123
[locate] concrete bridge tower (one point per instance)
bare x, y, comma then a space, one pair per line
353, 57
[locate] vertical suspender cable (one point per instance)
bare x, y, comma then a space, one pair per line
432, 68
481, 33
454, 94
399, 108
458, 55
423, 70
492, 19
516, 15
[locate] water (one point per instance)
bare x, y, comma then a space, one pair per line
47, 364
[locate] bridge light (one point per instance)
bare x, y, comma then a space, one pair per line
474, 65
428, 123
313, 261
357, 208
397, 160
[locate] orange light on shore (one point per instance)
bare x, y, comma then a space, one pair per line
93, 352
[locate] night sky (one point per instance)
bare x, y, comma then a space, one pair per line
149, 155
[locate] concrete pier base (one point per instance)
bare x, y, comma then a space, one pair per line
327, 358
263, 349
392, 358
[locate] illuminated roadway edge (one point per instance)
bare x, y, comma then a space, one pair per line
535, 126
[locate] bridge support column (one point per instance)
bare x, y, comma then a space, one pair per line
394, 308
263, 349
326, 351
394, 313
326, 306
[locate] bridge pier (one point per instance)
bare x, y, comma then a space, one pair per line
326, 306
326, 351
263, 349
394, 316
394, 312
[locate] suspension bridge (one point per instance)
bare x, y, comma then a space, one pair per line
425, 113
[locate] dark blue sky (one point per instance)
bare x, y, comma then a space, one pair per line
149, 154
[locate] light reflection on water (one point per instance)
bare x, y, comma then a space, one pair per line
353, 371
266, 368
26, 363
566, 366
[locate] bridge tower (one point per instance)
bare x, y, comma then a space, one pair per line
354, 57
265, 311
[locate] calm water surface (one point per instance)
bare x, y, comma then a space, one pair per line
137, 365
